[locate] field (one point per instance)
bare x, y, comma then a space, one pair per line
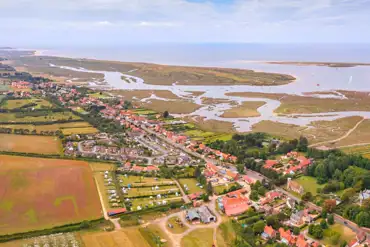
141, 94
309, 184
155, 236
140, 180
17, 103
359, 136
83, 130
345, 234
59, 239
211, 125
128, 237
30, 144
177, 228
198, 238
42, 193
246, 109
225, 234
37, 117
360, 150
191, 184
72, 126
220, 188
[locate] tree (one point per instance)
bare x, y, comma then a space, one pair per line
166, 114
323, 224
258, 227
205, 198
240, 168
302, 144
296, 231
330, 219
261, 191
197, 172
254, 195
307, 196
363, 219
273, 221
343, 244
209, 188
329, 205
324, 213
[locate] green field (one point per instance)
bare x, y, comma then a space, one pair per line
147, 191
17, 103
345, 234
198, 238
37, 117
152, 202
140, 181
220, 188
309, 184
360, 150
191, 183
225, 234
144, 112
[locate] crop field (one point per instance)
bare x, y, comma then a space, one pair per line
48, 127
128, 237
61, 239
18, 103
360, 150
43, 193
37, 117
191, 184
30, 144
83, 130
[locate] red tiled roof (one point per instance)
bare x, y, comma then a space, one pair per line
235, 206
248, 179
287, 235
195, 195
270, 163
233, 175
352, 243
301, 242
269, 231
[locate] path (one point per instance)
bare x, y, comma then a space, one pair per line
354, 145
340, 138
184, 196
101, 200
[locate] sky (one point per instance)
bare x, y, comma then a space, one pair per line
115, 22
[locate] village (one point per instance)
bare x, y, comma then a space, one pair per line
157, 167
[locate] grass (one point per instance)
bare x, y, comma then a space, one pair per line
49, 116
191, 183
345, 233
101, 167
47, 127
146, 201
245, 110
83, 130
177, 229
225, 234
147, 191
212, 125
128, 237
154, 235
198, 238
358, 136
99, 95
30, 144
220, 188
43, 193
309, 184
144, 112
141, 180
17, 103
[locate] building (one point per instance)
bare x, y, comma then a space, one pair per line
301, 241
294, 186
249, 180
270, 163
286, 237
201, 214
235, 203
268, 233
364, 195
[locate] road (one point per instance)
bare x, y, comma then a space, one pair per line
340, 138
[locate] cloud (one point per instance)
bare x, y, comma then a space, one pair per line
195, 20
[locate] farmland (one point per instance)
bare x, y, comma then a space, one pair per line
23, 103
43, 193
128, 237
30, 144
363, 150
198, 238
66, 128
29, 117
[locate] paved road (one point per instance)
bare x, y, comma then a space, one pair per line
341, 138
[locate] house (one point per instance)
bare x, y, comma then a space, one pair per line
151, 169
201, 214
136, 168
286, 237
294, 186
195, 196
361, 237
301, 217
192, 216
364, 195
301, 242
270, 163
127, 166
249, 180
235, 203
232, 176
268, 233
205, 215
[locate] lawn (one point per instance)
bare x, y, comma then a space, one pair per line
43, 193
191, 184
345, 233
128, 237
309, 184
147, 191
37, 117
30, 144
198, 238
177, 228
147, 202
220, 188
17, 103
